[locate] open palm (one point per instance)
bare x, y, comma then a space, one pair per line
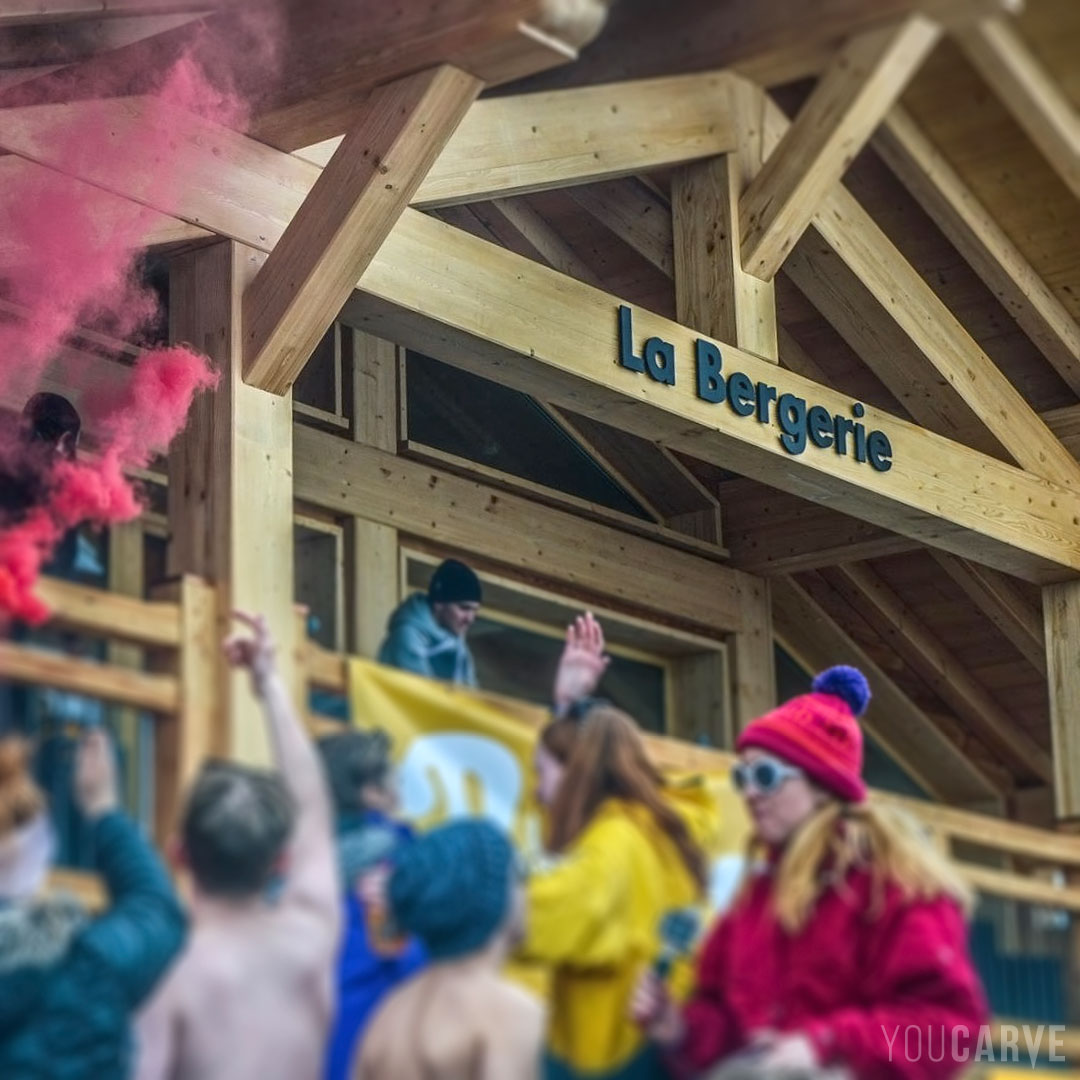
583, 661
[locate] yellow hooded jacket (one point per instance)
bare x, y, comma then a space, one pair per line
594, 917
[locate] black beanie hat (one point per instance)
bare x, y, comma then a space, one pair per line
454, 583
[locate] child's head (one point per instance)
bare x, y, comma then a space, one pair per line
359, 771
235, 828
456, 889
26, 837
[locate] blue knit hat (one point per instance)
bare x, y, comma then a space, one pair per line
451, 887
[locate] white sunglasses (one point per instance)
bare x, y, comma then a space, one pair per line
765, 775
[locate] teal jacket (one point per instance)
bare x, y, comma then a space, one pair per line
69, 985
416, 642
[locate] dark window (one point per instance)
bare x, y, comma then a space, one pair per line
521, 663
493, 425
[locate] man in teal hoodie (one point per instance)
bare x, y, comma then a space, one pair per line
426, 634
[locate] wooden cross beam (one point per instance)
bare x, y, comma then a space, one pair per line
809, 634
348, 213
928, 656
23, 12
1028, 92
248, 191
441, 291
849, 102
907, 299
972, 230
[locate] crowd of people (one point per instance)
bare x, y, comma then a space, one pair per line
324, 938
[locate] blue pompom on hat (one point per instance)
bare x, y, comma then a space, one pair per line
451, 887
847, 683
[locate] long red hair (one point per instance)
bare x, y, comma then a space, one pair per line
604, 756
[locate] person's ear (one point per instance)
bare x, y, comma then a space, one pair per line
176, 853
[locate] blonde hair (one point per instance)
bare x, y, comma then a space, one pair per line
883, 840
21, 799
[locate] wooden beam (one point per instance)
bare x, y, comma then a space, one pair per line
569, 331
977, 236
900, 628
24, 12
111, 614
18, 174
532, 142
904, 294
848, 103
349, 212
373, 565
747, 37
503, 528
753, 668
185, 738
925, 396
1065, 424
119, 685
702, 713
504, 146
635, 214
712, 291
55, 45
770, 532
540, 236
813, 638
230, 483
647, 471
1025, 88
602, 444
1061, 609
375, 557
548, 496
998, 598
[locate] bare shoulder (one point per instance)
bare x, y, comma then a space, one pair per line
513, 1005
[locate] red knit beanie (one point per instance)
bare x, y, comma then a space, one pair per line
819, 732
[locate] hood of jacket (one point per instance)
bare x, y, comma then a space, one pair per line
34, 940
416, 614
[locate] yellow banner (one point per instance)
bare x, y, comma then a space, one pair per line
459, 752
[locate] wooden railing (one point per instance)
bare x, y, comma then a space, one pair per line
178, 634
1038, 850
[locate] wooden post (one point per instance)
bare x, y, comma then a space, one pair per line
374, 563
752, 661
191, 734
127, 575
230, 482
702, 703
1061, 612
713, 293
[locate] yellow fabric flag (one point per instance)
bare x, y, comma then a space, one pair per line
463, 752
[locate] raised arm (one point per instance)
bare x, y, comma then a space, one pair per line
311, 875
143, 929
582, 663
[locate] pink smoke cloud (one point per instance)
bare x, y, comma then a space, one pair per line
74, 266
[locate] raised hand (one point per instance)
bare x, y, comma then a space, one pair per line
96, 789
254, 651
583, 661
655, 1012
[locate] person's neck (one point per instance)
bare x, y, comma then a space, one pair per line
209, 910
490, 958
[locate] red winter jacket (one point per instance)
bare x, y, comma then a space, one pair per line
851, 982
